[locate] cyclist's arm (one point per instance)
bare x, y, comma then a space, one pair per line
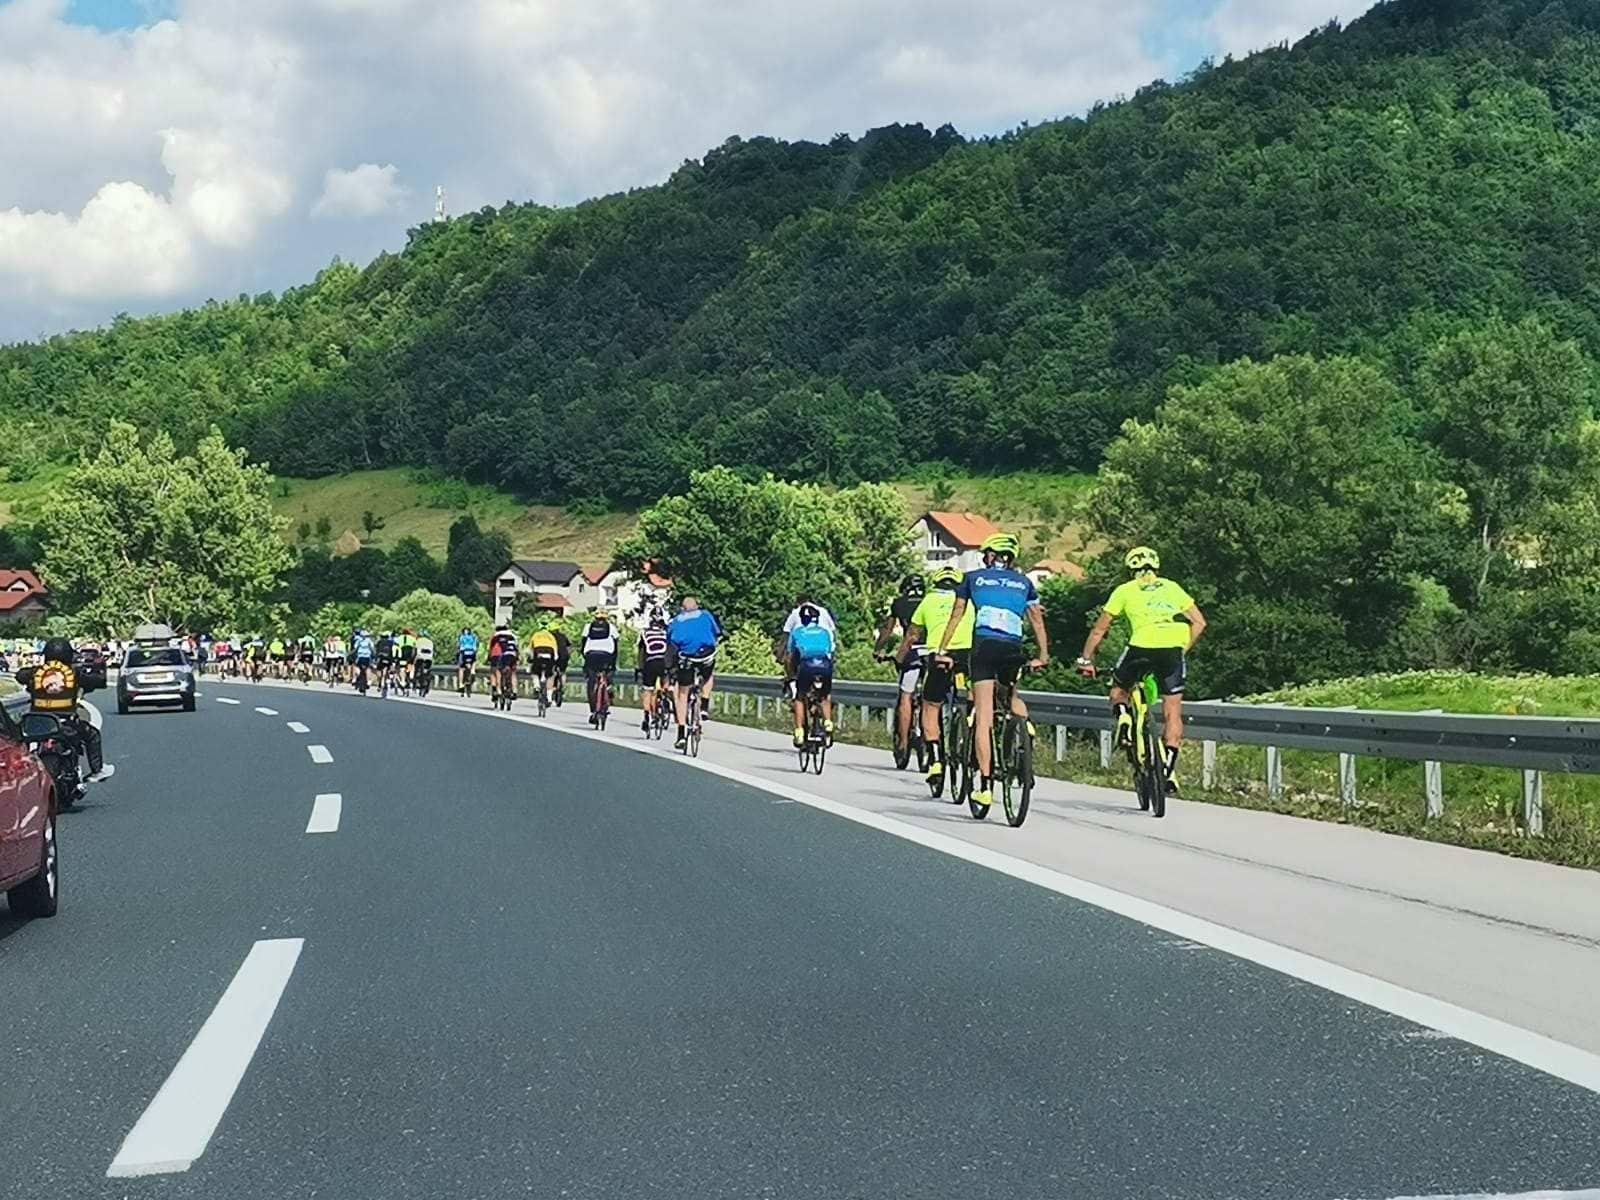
957, 611
914, 634
1036, 619
1098, 635
1197, 625
885, 633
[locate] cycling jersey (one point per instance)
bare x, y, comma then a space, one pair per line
695, 633
824, 619
425, 649
1001, 598
276, 648
653, 643
813, 644
600, 638
502, 643
933, 614
467, 643
543, 642
364, 649
1152, 609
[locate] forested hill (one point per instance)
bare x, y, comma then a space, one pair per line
911, 296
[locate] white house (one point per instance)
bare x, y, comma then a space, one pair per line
948, 539
629, 596
562, 586
1049, 568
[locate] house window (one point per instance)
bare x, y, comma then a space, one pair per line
510, 581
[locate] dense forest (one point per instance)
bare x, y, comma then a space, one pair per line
913, 297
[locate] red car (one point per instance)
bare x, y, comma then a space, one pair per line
28, 867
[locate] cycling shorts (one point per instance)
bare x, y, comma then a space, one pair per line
363, 661
329, 659
466, 656
652, 671
407, 653
499, 661
1166, 663
911, 669
941, 680
685, 671
994, 659
593, 664
544, 663
816, 677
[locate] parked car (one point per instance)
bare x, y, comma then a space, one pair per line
90, 663
29, 872
155, 675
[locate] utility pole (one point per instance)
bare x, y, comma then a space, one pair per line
438, 205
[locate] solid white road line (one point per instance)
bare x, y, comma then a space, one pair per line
320, 754
1585, 1194
325, 812
226, 700
176, 1127
95, 718
1571, 1063
297, 727
267, 712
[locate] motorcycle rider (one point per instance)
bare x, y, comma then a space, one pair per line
54, 688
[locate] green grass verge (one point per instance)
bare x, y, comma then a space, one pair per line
1452, 691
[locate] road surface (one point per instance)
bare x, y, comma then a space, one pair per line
318, 946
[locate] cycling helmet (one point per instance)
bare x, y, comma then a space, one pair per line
424, 633
1003, 544
1141, 559
947, 578
58, 650
913, 585
809, 614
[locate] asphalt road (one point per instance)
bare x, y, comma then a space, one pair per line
533, 965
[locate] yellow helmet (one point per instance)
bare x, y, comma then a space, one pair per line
946, 577
1001, 543
1141, 559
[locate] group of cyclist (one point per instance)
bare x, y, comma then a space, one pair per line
401, 659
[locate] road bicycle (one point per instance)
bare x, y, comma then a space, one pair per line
600, 699
1010, 758
664, 716
385, 679
543, 678
916, 745
464, 674
955, 735
1145, 753
814, 749
504, 688
362, 680
691, 715
424, 676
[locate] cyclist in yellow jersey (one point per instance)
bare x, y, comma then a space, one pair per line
926, 628
1164, 623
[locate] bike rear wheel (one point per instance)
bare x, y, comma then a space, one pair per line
1018, 787
1156, 775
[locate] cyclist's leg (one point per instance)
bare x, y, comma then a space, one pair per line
1122, 681
982, 724
909, 674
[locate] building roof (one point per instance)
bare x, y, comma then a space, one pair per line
1058, 566
967, 530
596, 574
544, 570
17, 588
551, 600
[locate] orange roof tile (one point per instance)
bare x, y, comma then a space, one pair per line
966, 530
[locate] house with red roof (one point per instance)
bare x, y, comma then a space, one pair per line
950, 539
22, 597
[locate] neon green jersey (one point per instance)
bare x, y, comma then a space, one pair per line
933, 614
1152, 610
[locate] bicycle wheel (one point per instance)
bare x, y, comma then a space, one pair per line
902, 749
1156, 775
1018, 770
955, 753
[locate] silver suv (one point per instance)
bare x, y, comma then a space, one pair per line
155, 675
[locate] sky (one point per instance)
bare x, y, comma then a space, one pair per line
154, 153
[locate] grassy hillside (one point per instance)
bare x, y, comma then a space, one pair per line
1037, 505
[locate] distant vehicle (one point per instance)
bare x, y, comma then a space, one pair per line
90, 663
155, 675
28, 869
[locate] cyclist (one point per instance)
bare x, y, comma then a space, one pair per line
308, 655
364, 650
386, 651
276, 655
928, 624
405, 647
811, 651
780, 644
1164, 623
563, 660
502, 660
424, 663
466, 658
694, 634
255, 657
912, 590
333, 651
652, 664
600, 646
542, 650
1002, 598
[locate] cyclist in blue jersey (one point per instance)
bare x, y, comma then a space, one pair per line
364, 650
1003, 599
693, 634
811, 651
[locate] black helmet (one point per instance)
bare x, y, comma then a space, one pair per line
809, 614
58, 650
914, 585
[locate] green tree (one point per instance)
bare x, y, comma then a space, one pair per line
407, 568
473, 556
138, 533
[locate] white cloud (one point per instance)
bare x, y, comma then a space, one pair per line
199, 152
364, 191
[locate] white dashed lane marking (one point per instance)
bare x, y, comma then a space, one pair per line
267, 712
325, 813
297, 727
320, 754
225, 700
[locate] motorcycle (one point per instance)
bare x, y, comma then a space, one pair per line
57, 747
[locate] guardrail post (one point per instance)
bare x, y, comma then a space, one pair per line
744, 704
1061, 742
1105, 749
1433, 784
888, 721
1274, 773
761, 706
1347, 780
1208, 765
1533, 802
866, 715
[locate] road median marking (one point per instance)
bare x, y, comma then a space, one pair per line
176, 1127
320, 754
298, 727
325, 812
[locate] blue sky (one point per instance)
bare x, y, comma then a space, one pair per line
116, 14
